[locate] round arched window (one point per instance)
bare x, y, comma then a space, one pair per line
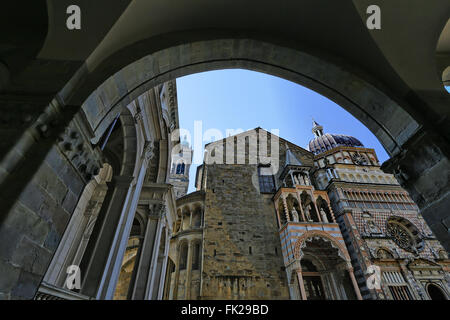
435, 292
404, 234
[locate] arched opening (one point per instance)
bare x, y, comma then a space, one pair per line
309, 208
197, 217
325, 211
293, 208
312, 281
435, 292
183, 255
324, 270
180, 168
186, 218
192, 54
196, 255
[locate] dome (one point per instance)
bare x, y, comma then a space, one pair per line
323, 142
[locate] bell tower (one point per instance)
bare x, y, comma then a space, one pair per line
179, 170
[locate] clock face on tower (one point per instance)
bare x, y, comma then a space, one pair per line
359, 159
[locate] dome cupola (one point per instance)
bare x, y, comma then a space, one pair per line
324, 142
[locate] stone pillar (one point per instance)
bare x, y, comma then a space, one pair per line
285, 206
300, 283
117, 251
153, 265
143, 269
102, 239
177, 273
189, 271
278, 216
355, 284
164, 267
331, 212
315, 206
301, 207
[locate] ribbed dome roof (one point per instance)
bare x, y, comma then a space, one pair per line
323, 142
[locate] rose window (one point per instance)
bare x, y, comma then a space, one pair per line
404, 234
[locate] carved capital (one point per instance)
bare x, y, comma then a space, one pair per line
157, 210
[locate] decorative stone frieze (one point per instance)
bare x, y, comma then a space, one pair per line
75, 145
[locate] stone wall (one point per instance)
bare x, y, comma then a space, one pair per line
31, 231
242, 255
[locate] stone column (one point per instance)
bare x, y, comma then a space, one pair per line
285, 206
143, 269
177, 273
331, 212
278, 216
355, 284
300, 283
315, 206
153, 265
189, 271
164, 267
102, 239
300, 205
117, 251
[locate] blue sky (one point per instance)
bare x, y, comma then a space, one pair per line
233, 99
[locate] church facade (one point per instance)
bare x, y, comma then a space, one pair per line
323, 224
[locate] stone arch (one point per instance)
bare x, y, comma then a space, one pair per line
435, 292
321, 234
137, 70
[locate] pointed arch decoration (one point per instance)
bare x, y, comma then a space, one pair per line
316, 234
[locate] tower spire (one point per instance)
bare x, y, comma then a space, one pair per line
317, 129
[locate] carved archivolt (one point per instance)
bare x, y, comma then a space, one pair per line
318, 234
